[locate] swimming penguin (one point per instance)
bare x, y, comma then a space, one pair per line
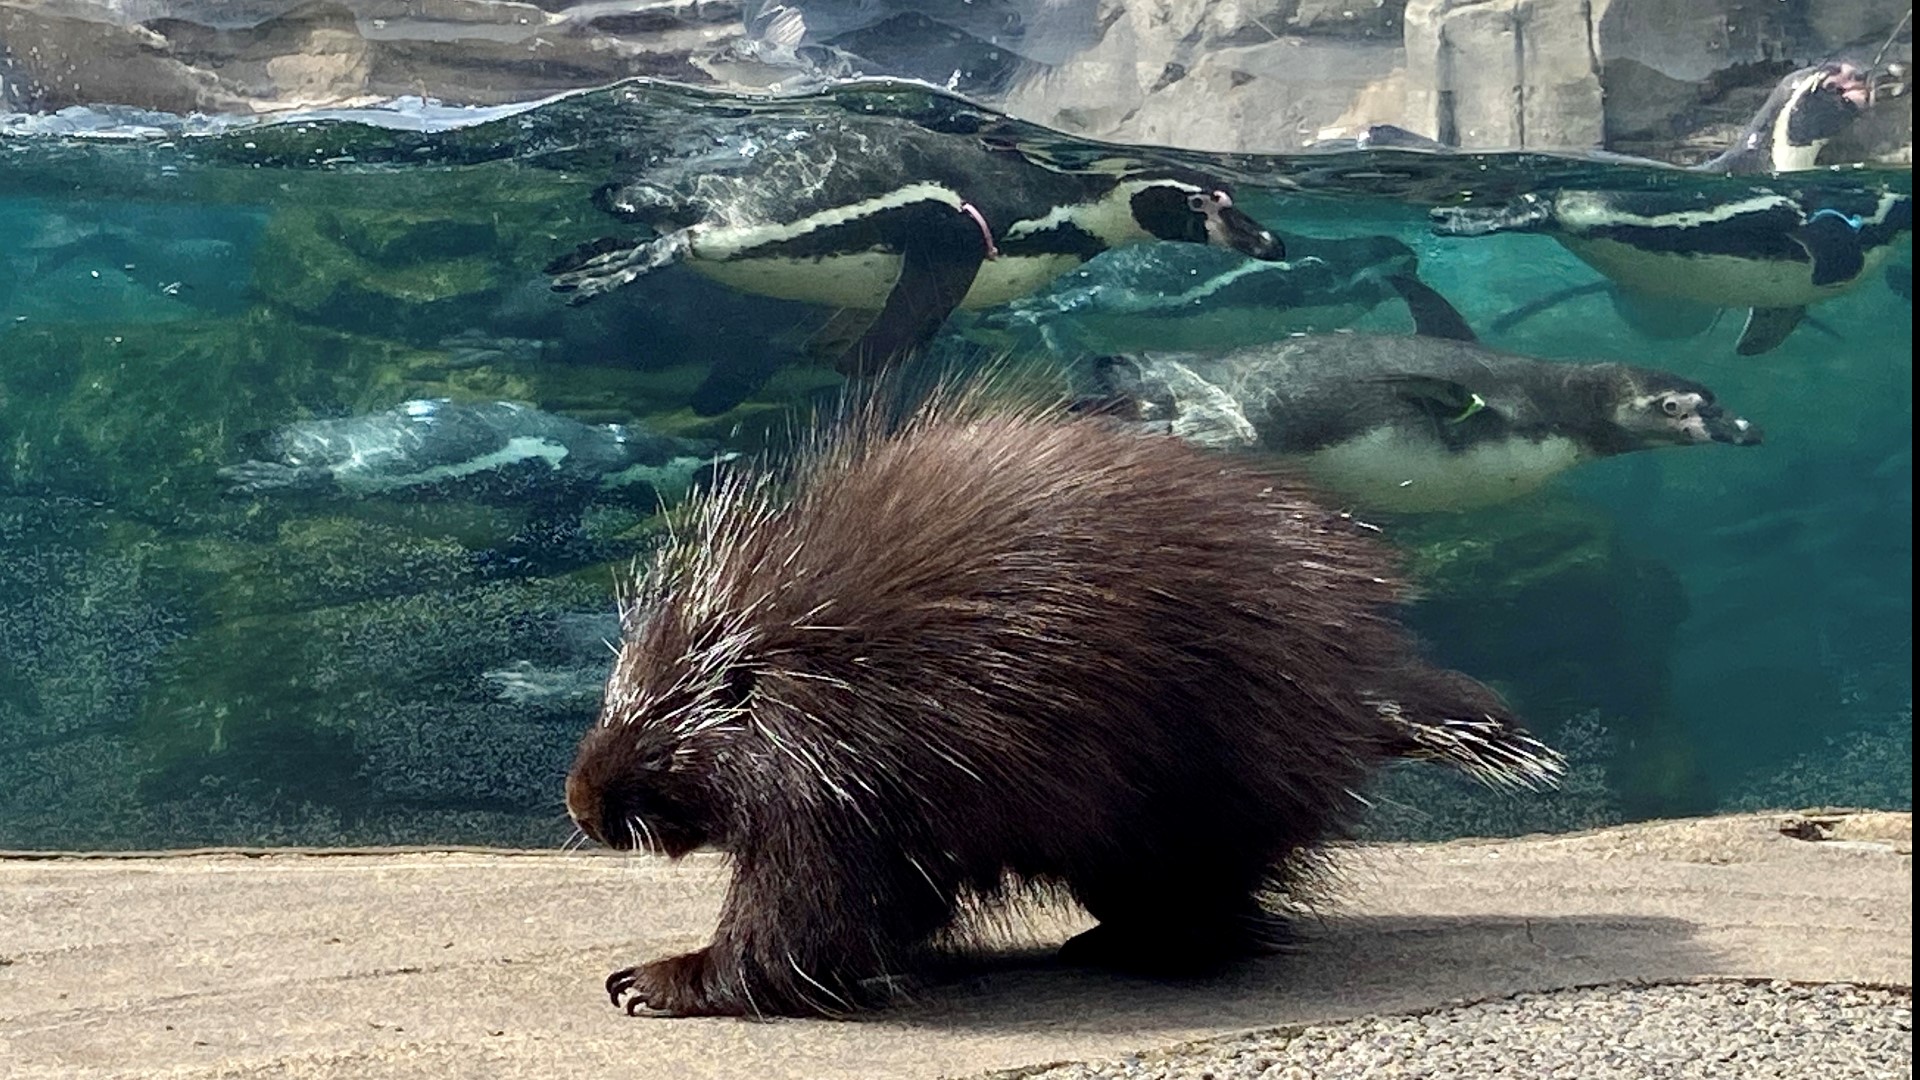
1406, 423
1773, 250
876, 213
493, 451
1204, 299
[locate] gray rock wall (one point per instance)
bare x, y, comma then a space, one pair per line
1662, 77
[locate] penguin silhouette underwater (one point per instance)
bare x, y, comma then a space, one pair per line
1775, 250
877, 213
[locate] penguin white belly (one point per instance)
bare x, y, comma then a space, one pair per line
1390, 469
862, 280
1010, 277
1717, 280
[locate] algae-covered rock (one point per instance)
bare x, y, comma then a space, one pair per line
358, 270
1869, 765
85, 626
365, 707
1545, 599
141, 416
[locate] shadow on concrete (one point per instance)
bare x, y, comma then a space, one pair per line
1343, 966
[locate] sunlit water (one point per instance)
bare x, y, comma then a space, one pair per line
1699, 629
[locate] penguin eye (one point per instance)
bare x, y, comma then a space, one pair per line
1197, 203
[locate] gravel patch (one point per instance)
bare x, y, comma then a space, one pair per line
1748, 1031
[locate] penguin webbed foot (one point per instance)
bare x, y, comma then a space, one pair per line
603, 265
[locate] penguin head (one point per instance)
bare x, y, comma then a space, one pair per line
1670, 411
1808, 108
1201, 213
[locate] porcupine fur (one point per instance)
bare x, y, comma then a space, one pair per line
980, 647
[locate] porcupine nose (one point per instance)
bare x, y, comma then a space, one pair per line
581, 809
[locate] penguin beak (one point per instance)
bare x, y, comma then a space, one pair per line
1732, 430
1228, 226
1850, 84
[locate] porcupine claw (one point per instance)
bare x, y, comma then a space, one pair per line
620, 982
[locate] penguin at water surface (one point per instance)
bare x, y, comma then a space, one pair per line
1775, 250
1410, 423
875, 213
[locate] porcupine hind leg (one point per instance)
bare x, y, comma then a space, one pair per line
1177, 916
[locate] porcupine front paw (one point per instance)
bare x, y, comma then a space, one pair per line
676, 986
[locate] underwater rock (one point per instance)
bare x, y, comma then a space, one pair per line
371, 709
139, 261
336, 269
86, 621
1494, 590
1869, 766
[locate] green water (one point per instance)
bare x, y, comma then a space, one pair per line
1699, 629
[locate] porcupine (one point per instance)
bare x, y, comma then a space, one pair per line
979, 650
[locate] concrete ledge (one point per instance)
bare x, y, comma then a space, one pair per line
480, 964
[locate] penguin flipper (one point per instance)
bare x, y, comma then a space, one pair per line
938, 265
606, 264
1433, 315
1546, 303
1766, 328
1445, 393
1447, 401
1832, 241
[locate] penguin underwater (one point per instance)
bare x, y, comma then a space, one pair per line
1410, 424
499, 451
1205, 299
878, 213
1774, 250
